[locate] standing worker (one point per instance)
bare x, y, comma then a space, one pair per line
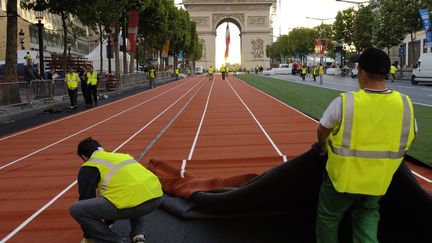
222, 70
393, 72
92, 81
28, 56
152, 76
210, 73
71, 81
304, 72
84, 87
177, 73
314, 72
366, 134
113, 186
321, 72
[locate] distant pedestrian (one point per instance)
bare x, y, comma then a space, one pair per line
210, 73
85, 87
152, 76
392, 73
314, 72
304, 72
92, 82
71, 81
177, 73
321, 72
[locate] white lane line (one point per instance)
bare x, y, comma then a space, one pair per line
80, 113
259, 124
420, 176
34, 215
74, 134
183, 167
405, 87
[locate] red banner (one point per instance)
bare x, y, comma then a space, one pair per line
133, 31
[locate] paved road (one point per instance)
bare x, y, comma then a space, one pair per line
420, 94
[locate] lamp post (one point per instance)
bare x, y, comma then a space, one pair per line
353, 2
39, 9
109, 52
69, 48
321, 19
21, 37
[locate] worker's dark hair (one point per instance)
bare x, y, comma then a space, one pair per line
87, 146
375, 62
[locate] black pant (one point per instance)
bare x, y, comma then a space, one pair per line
86, 93
73, 96
93, 92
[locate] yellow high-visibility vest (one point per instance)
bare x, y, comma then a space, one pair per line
210, 70
222, 69
124, 181
92, 78
366, 149
392, 69
177, 71
72, 81
152, 73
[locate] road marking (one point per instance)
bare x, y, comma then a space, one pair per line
421, 176
405, 87
83, 130
80, 113
259, 124
34, 215
184, 162
311, 118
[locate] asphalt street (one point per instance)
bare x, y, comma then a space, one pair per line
420, 94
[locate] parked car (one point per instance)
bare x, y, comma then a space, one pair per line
199, 70
422, 72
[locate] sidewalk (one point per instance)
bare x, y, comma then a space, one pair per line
9, 114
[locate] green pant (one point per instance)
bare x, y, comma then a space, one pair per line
331, 208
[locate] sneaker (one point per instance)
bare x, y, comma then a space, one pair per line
138, 239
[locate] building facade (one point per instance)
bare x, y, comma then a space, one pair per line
52, 33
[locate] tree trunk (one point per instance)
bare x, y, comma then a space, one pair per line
117, 51
101, 48
412, 49
65, 41
132, 63
125, 64
10, 93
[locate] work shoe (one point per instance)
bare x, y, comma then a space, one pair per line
87, 240
138, 239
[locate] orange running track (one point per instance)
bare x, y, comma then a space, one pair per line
207, 129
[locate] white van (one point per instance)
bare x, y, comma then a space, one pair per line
199, 70
422, 72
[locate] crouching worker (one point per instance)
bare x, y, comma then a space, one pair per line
113, 186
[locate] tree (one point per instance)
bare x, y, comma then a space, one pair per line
10, 93
344, 26
363, 28
64, 8
302, 40
411, 19
387, 28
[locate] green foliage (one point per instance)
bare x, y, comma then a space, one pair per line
302, 40
388, 30
314, 100
363, 27
344, 26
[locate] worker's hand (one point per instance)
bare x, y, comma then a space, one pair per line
322, 149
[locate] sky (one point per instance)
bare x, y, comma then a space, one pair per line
294, 14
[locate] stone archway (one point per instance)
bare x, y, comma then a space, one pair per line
251, 16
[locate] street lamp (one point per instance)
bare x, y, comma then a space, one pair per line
21, 37
39, 9
353, 2
322, 20
109, 52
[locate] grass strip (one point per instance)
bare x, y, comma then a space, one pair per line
314, 100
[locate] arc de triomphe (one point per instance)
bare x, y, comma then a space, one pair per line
252, 17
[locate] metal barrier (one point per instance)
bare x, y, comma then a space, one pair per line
14, 94
50, 90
